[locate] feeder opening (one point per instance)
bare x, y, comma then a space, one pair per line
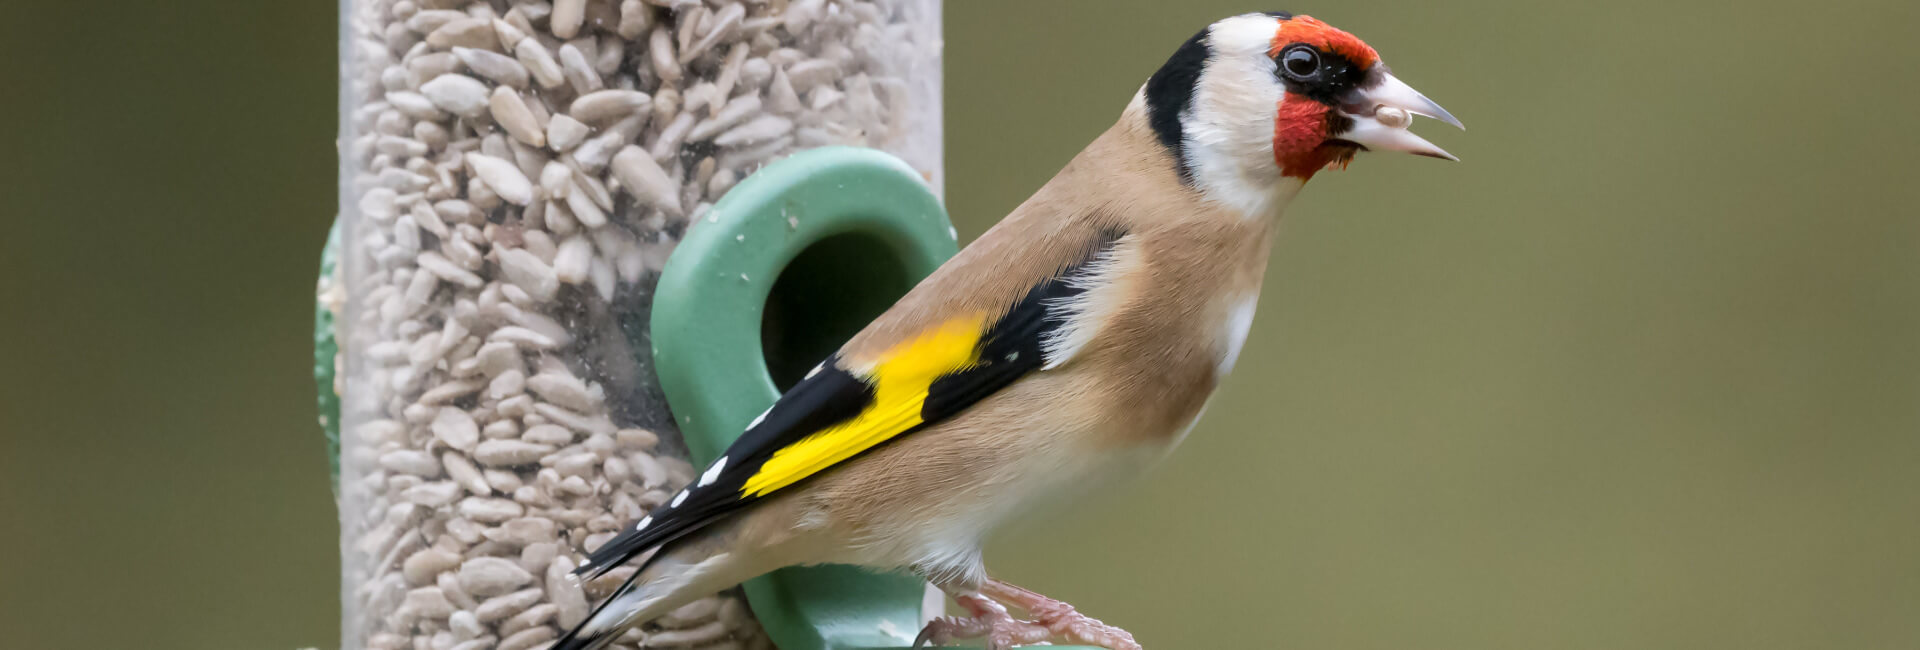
831, 290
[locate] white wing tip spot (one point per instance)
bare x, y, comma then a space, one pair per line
644, 522
814, 371
713, 473
757, 420
679, 499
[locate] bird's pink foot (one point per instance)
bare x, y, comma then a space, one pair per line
1060, 619
989, 620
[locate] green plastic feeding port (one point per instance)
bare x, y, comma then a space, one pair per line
787, 266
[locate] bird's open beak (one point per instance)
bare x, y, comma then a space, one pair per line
1382, 112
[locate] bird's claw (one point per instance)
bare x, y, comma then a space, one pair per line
989, 620
1001, 634
1052, 619
1063, 621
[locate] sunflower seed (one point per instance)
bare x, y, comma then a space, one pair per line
492, 576
563, 132
571, 263
509, 453
736, 111
665, 64
578, 70
456, 428
723, 24
508, 33
415, 105
567, 17
528, 272
805, 75
462, 471
540, 63
565, 592
635, 18
645, 180
511, 112
464, 32
502, 177
535, 615
432, 495
425, 565
759, 129
500, 607
697, 636
409, 461
528, 638
603, 106
427, 21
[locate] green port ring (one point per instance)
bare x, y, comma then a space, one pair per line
798, 256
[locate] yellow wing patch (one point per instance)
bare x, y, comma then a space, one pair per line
900, 381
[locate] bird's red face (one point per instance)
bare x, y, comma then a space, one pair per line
1339, 99
1257, 99
1317, 65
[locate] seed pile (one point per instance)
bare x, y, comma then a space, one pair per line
517, 174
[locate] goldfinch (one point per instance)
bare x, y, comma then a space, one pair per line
1076, 341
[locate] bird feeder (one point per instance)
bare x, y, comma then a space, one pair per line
792, 262
581, 243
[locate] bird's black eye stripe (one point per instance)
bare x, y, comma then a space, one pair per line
1323, 76
1300, 63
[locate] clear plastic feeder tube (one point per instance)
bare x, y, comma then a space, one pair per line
513, 176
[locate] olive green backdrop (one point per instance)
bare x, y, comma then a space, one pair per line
1640, 373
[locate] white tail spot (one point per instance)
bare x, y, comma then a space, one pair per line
713, 473
679, 499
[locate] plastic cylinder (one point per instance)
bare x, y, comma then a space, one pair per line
514, 178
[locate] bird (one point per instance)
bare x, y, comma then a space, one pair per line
1074, 343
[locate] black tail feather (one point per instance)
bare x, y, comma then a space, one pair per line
630, 544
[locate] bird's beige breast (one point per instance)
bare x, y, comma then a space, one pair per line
1188, 306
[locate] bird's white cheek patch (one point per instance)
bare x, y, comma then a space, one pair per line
1228, 130
1238, 323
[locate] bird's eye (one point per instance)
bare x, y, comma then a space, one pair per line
1300, 63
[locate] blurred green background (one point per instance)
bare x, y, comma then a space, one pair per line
1642, 372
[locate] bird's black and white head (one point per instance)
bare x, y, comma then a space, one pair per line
1254, 105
